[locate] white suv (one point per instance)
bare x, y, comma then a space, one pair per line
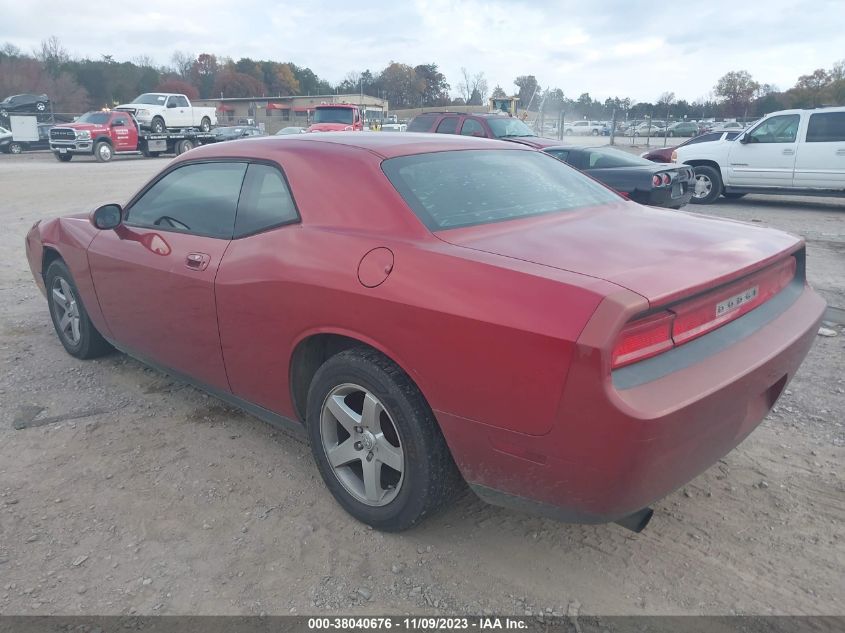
795, 152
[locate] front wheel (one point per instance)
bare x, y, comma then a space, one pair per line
708, 185
376, 442
102, 151
157, 125
75, 330
595, 132
205, 124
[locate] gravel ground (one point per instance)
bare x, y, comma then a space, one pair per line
129, 492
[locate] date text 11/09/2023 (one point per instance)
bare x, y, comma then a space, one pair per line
480, 623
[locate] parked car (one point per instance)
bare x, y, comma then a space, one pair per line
682, 128
24, 103
583, 128
793, 152
158, 112
648, 128
485, 125
292, 129
230, 133
5, 139
639, 179
16, 146
393, 127
431, 307
664, 154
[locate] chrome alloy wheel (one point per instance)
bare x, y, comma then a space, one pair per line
362, 445
703, 186
66, 309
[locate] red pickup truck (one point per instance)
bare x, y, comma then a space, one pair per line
106, 133
336, 117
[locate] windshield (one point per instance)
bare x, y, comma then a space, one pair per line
508, 127
333, 115
453, 189
97, 118
151, 99
228, 131
601, 158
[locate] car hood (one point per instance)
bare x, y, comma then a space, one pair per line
660, 254
81, 126
329, 127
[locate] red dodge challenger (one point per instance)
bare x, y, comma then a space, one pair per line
436, 309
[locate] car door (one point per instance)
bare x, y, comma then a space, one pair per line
765, 156
178, 115
154, 274
820, 163
122, 133
472, 127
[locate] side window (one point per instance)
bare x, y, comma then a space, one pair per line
265, 201
171, 101
826, 127
182, 102
449, 125
200, 199
471, 127
777, 129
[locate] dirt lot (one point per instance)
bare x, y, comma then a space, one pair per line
131, 493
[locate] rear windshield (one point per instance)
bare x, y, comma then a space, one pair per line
464, 188
421, 123
508, 127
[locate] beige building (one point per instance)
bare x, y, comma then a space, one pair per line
274, 113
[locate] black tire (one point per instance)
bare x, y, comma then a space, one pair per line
711, 175
184, 146
568, 132
157, 125
430, 477
41, 106
733, 196
103, 152
15, 148
90, 343
64, 158
595, 132
205, 124
153, 154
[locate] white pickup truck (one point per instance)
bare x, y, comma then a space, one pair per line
160, 111
791, 152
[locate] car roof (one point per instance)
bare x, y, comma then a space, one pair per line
380, 144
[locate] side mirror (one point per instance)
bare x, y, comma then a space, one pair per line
744, 138
107, 217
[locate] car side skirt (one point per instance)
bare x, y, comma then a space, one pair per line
265, 415
788, 191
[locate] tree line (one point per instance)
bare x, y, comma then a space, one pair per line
75, 85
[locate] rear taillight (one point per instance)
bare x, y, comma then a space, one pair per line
666, 179
687, 320
656, 180
643, 339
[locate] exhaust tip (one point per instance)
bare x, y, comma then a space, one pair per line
637, 521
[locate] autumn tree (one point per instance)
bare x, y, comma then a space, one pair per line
435, 89
401, 85
736, 89
173, 84
234, 84
183, 63
204, 72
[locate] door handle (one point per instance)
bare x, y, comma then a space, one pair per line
789, 152
197, 261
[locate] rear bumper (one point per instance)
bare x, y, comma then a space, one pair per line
672, 197
616, 450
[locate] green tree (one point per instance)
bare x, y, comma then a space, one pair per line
736, 89
528, 86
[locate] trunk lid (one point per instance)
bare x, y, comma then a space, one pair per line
662, 255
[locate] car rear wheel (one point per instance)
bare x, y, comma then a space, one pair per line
568, 132
595, 132
707, 186
184, 146
15, 148
41, 106
205, 124
64, 158
102, 151
376, 442
75, 330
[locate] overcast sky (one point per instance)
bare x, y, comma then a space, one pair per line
608, 48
